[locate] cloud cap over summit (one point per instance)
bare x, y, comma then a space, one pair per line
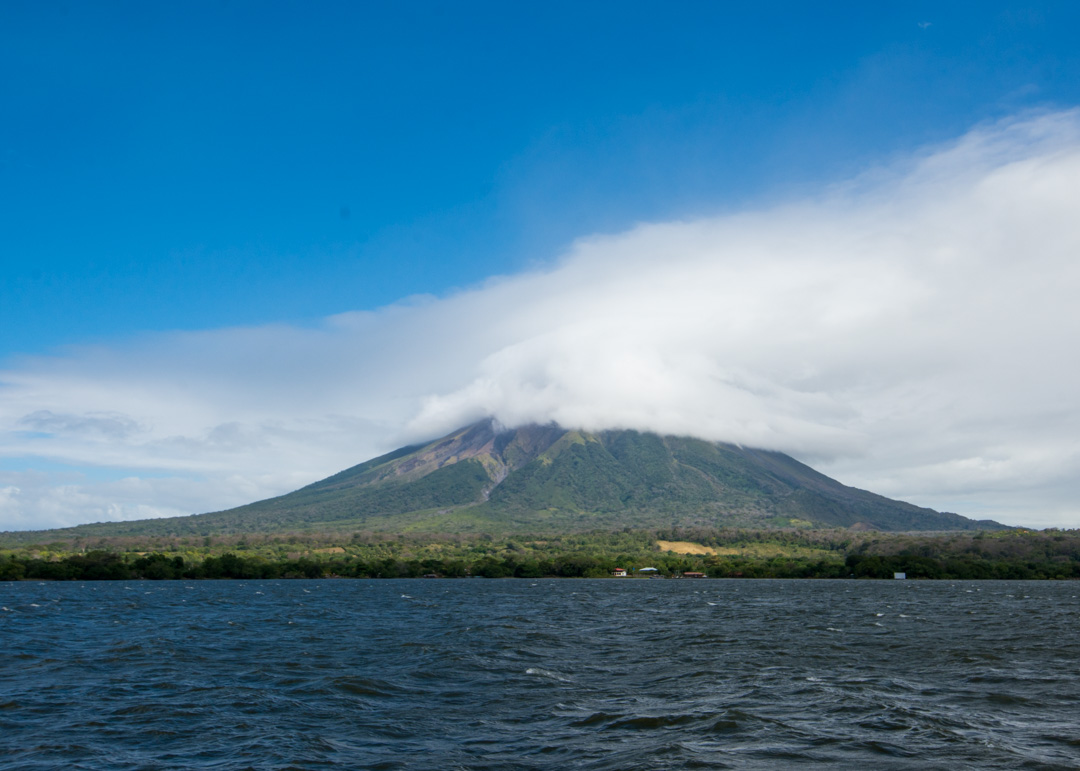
910, 332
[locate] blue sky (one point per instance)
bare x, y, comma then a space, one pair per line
195, 165
265, 171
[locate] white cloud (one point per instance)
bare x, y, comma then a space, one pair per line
110, 424
911, 332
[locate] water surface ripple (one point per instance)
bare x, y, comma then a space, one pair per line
546, 674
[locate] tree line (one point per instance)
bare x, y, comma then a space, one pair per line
102, 565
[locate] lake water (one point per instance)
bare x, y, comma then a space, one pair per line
546, 674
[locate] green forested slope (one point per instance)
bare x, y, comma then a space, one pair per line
547, 479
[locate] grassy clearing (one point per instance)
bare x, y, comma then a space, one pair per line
758, 550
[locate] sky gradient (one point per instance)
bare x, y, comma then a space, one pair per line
246, 245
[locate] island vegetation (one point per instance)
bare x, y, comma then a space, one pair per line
717, 553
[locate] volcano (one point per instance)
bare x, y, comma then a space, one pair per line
482, 478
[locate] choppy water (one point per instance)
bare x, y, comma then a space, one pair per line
546, 674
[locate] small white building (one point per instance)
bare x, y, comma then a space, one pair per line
619, 573
899, 576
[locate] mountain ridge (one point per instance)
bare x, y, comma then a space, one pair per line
544, 478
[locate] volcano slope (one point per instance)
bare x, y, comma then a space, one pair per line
547, 479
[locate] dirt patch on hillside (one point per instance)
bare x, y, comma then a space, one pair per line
685, 547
